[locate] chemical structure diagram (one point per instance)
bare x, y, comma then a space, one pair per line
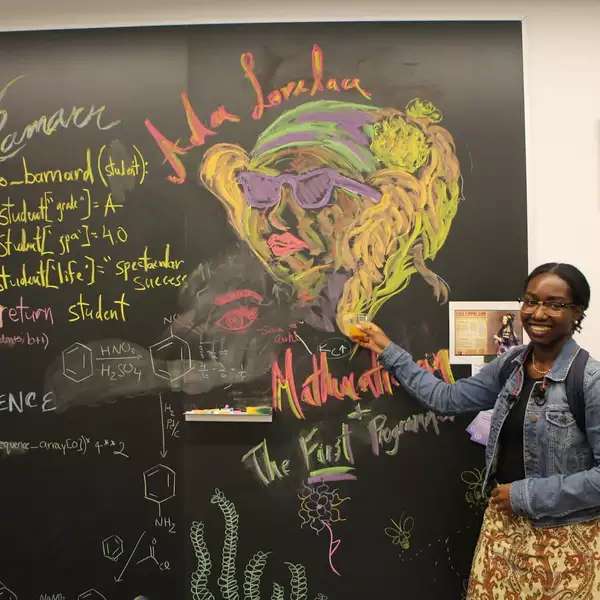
159, 485
213, 355
171, 358
163, 566
115, 361
113, 549
77, 362
91, 594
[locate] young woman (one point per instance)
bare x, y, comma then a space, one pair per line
505, 337
540, 536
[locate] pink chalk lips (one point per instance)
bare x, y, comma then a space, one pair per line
285, 243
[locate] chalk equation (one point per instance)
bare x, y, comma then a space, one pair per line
82, 445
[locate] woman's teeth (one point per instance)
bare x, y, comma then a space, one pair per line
539, 329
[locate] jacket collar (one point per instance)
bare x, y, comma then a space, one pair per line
562, 363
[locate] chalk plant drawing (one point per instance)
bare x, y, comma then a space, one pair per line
319, 508
401, 531
227, 581
342, 202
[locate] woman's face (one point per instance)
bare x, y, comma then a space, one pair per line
545, 325
301, 244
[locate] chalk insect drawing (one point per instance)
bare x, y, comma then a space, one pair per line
474, 496
253, 571
401, 531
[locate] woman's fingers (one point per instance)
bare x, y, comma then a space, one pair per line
363, 341
500, 497
369, 329
372, 337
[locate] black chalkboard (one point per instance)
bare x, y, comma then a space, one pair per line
187, 214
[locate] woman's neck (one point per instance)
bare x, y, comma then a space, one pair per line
546, 355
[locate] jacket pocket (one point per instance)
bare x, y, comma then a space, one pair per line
560, 418
561, 430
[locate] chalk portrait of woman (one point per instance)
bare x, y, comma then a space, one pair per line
342, 202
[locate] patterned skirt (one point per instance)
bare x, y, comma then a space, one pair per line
515, 561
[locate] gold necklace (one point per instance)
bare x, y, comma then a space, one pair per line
538, 371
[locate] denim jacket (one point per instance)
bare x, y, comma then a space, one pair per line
562, 464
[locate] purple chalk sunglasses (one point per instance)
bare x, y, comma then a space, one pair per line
312, 190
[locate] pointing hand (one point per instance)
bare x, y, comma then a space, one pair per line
372, 337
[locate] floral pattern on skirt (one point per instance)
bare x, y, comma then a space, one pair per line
516, 561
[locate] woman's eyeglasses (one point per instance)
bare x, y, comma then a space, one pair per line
529, 305
312, 190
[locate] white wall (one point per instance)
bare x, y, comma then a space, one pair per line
562, 78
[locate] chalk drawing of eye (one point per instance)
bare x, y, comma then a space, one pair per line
400, 532
238, 319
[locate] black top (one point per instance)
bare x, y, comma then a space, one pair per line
510, 454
